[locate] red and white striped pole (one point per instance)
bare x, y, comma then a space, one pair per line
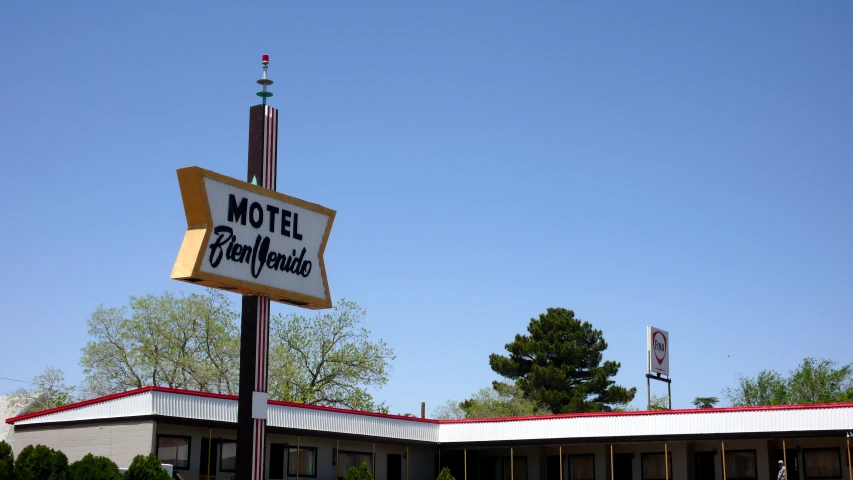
255, 321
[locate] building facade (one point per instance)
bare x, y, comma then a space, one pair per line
196, 433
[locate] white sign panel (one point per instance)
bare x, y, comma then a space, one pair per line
252, 240
658, 350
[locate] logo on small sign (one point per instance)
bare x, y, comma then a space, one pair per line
659, 342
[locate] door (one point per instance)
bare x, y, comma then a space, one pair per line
623, 468
208, 461
705, 466
793, 464
552, 468
395, 466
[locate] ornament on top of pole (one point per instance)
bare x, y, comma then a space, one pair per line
264, 81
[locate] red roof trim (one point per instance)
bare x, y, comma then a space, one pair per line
654, 412
79, 404
426, 420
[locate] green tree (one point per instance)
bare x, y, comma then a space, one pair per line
327, 359
190, 342
7, 462
93, 468
559, 364
813, 381
445, 475
41, 463
502, 400
146, 467
659, 403
362, 472
705, 402
48, 391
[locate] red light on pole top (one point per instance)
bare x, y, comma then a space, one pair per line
264, 81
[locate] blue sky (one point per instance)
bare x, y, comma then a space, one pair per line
687, 167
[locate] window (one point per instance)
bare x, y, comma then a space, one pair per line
822, 462
347, 460
228, 456
303, 460
740, 465
519, 468
174, 450
654, 468
582, 467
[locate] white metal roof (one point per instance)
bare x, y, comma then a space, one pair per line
329, 421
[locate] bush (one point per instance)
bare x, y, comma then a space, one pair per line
359, 473
91, 467
41, 463
445, 474
146, 468
7, 462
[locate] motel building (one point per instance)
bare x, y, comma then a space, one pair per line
195, 432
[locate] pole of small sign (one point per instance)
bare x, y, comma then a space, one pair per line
849, 461
254, 323
666, 459
723, 446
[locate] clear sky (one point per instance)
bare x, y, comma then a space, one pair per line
688, 167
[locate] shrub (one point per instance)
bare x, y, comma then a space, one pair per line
445, 474
91, 467
146, 468
359, 473
41, 463
7, 462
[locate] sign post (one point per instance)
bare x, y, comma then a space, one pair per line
657, 351
244, 237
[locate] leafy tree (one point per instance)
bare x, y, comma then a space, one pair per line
193, 342
362, 472
559, 364
820, 381
190, 342
705, 402
93, 468
7, 462
813, 381
502, 400
659, 403
445, 475
41, 463
146, 467
328, 359
48, 390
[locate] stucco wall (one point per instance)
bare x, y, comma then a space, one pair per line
119, 442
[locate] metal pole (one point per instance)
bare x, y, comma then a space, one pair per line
785, 458
669, 392
724, 459
849, 467
648, 393
561, 462
254, 323
666, 459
